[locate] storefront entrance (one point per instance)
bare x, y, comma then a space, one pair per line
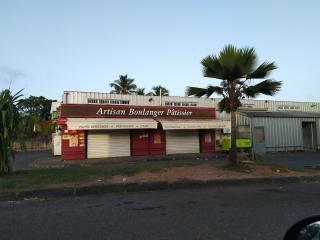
145, 142
309, 134
207, 140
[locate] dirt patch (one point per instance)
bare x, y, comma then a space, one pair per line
208, 172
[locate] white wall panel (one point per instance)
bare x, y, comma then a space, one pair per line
108, 143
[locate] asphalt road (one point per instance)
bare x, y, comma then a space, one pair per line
295, 159
23, 159
243, 212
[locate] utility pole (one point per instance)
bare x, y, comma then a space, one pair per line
160, 96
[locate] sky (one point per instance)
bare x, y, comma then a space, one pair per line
47, 47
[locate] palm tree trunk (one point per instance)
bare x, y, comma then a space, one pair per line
233, 150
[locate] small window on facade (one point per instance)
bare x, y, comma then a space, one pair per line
181, 104
108, 101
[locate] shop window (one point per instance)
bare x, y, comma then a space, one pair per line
287, 107
207, 138
73, 140
157, 138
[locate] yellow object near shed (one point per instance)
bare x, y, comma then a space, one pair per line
241, 143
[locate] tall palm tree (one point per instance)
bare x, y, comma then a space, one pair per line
140, 91
156, 91
10, 127
123, 85
236, 68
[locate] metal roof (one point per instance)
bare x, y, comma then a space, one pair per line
281, 114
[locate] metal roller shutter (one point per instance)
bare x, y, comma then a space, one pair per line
182, 141
108, 143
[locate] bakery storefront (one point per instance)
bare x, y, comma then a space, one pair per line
101, 131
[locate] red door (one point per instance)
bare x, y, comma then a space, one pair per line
207, 141
157, 142
140, 142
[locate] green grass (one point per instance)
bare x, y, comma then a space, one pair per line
80, 175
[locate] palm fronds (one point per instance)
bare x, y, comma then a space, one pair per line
123, 85
267, 87
235, 67
199, 92
156, 90
9, 125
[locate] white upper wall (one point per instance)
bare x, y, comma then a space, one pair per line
70, 97
54, 106
73, 97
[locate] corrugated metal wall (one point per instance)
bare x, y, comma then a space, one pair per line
242, 120
318, 133
270, 105
282, 134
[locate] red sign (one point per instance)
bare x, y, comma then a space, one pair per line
116, 111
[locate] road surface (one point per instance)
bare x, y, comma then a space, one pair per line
254, 212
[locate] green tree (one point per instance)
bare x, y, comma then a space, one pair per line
156, 91
236, 68
123, 85
35, 116
9, 128
36, 106
140, 91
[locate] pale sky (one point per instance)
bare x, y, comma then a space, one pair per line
47, 47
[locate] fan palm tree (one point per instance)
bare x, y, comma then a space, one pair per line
123, 85
9, 128
140, 91
236, 68
156, 90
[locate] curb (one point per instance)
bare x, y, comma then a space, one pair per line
145, 186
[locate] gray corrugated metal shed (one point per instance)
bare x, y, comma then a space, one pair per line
292, 114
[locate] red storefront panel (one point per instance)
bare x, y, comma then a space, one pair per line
147, 142
157, 144
73, 144
140, 142
207, 141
